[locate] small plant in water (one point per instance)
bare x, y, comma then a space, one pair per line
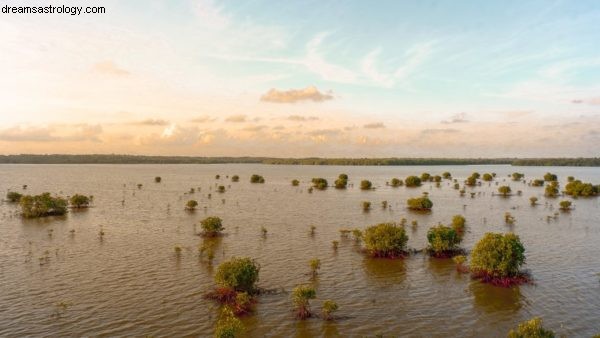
460, 261
531, 329
221, 189
504, 190
497, 259
13, 196
419, 203
235, 178
385, 240
315, 265
366, 205
157, 179
384, 204
365, 185
191, 205
509, 219
295, 182
178, 250
533, 200
301, 296
329, 307
229, 326
79, 201
312, 230
257, 179
211, 226
335, 244
565, 205
263, 231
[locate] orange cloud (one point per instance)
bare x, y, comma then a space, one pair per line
110, 68
310, 93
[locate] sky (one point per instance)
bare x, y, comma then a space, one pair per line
303, 78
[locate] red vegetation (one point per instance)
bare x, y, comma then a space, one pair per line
222, 295
505, 282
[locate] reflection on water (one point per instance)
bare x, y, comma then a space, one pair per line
130, 282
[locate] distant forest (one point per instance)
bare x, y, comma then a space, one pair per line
139, 159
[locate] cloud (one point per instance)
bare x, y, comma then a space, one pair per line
439, 131
375, 125
151, 122
254, 128
595, 101
310, 93
203, 119
456, 118
236, 118
55, 133
299, 118
19, 134
173, 135
320, 132
109, 68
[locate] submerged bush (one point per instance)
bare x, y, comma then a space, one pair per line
13, 196
443, 240
538, 183
235, 178
295, 183
412, 181
256, 179
191, 205
533, 200
497, 258
42, 205
419, 203
551, 190
565, 205
341, 182
329, 307
229, 326
315, 265
395, 182
425, 177
211, 226
548, 177
517, 176
487, 177
366, 205
79, 201
239, 274
301, 295
446, 175
578, 188
157, 179
504, 190
385, 240
458, 224
531, 329
221, 188
319, 183
365, 185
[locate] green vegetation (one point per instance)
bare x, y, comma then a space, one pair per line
471, 181
531, 329
191, 205
517, 176
211, 226
385, 240
565, 205
42, 205
319, 183
329, 307
315, 265
395, 182
366, 205
443, 241
504, 190
221, 189
437, 178
446, 175
533, 200
538, 183
425, 177
301, 295
295, 182
239, 274
157, 179
412, 181
335, 244
13, 196
419, 203
548, 177
460, 261
497, 259
235, 178
341, 182
458, 224
256, 179
229, 326
551, 189
578, 188
365, 185
79, 201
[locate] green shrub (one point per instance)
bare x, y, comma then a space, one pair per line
385, 240
157, 179
565, 205
487, 177
498, 255
239, 274
229, 326
13, 196
341, 182
476, 175
191, 205
533, 200
443, 240
42, 205
79, 201
425, 177
211, 226
319, 183
446, 175
295, 183
235, 178
578, 188
551, 190
504, 190
537, 183
256, 179
315, 265
301, 295
531, 329
548, 177
517, 176
221, 189
396, 182
419, 203
365, 184
412, 181
471, 181
366, 205
458, 224
329, 307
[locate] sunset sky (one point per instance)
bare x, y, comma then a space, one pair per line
303, 78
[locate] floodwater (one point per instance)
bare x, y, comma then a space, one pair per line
57, 283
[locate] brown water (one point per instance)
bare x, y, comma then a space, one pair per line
132, 284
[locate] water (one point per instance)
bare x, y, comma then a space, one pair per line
132, 284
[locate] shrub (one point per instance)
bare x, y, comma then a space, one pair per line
504, 190
533, 200
365, 184
548, 177
396, 182
301, 295
256, 179
437, 178
443, 240
295, 182
551, 190
498, 257
335, 244
419, 203
315, 265
329, 307
412, 181
79, 201
229, 326
565, 205
157, 179
366, 206
239, 274
460, 261
13, 196
471, 181
385, 240
191, 205
221, 188
319, 183
578, 188
476, 175
447, 175
531, 329
341, 182
517, 176
42, 205
425, 177
458, 224
537, 183
487, 177
343, 177
456, 186
211, 226
235, 178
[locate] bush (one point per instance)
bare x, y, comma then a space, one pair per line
487, 177
157, 179
531, 329
295, 182
551, 190
578, 188
365, 184
548, 177
537, 183
385, 240
412, 181
341, 182
443, 240
42, 205
13, 196
497, 256
504, 190
446, 175
565, 205
366, 205
239, 274
517, 176
396, 182
301, 295
229, 326
471, 181
425, 177
329, 307
419, 203
257, 179
221, 188
319, 183
533, 200
79, 201
191, 205
235, 178
458, 224
211, 226
315, 265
